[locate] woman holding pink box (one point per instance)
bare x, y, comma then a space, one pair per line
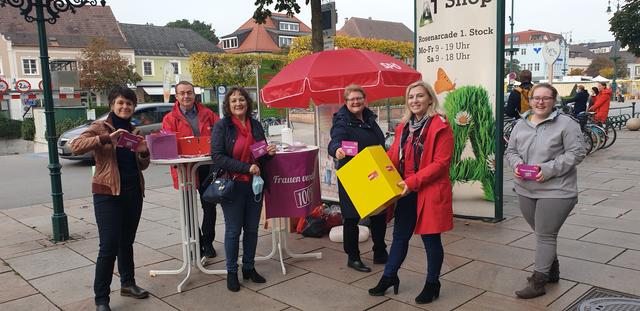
544, 149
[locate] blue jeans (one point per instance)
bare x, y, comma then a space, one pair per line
242, 215
403, 226
117, 218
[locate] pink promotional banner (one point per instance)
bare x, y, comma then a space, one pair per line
292, 184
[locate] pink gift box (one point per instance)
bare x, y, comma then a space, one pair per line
129, 141
350, 148
163, 145
528, 172
259, 149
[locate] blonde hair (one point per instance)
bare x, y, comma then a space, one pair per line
432, 109
353, 88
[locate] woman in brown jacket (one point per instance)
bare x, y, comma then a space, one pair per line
118, 188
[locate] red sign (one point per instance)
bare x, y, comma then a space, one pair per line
4, 86
40, 85
23, 86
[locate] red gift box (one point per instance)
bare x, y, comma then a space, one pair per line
194, 146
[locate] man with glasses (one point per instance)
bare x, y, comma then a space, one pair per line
191, 118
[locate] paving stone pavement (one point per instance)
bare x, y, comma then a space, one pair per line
484, 263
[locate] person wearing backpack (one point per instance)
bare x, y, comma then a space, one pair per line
518, 101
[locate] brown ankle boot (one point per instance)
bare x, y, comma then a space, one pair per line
535, 288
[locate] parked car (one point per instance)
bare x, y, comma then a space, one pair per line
147, 118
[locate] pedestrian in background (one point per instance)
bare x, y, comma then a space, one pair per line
118, 188
232, 137
550, 142
518, 102
191, 118
421, 152
355, 122
579, 100
601, 103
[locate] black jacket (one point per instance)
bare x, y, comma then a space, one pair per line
223, 138
580, 101
512, 108
347, 127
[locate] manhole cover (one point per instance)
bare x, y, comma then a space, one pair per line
601, 299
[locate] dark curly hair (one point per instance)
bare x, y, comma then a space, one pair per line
124, 92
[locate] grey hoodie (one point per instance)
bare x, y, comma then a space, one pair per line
556, 145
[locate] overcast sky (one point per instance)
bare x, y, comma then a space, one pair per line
586, 19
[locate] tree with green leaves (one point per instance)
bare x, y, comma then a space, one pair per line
625, 25
205, 30
292, 7
515, 66
102, 67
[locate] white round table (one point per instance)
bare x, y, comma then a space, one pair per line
189, 225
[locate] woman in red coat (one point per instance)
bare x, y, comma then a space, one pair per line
421, 151
601, 103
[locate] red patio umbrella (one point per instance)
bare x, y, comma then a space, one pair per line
323, 76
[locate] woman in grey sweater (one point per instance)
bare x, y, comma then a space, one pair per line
544, 149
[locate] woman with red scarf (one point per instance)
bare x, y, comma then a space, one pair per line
230, 152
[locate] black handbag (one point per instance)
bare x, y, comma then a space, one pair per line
221, 188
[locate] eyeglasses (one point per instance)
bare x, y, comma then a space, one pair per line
188, 93
355, 99
541, 98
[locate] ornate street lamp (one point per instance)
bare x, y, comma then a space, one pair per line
52, 8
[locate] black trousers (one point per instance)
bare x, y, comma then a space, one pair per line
117, 218
209, 215
351, 231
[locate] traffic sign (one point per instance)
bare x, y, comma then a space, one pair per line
23, 86
4, 86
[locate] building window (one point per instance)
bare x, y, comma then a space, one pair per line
515, 38
29, 66
284, 41
637, 71
523, 51
289, 26
537, 67
1, 72
147, 68
63, 65
176, 67
230, 43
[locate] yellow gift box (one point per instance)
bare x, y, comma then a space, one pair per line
370, 180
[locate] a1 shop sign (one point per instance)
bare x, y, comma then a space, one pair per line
23, 86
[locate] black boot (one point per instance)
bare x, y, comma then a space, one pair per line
429, 293
384, 284
535, 288
232, 281
554, 272
253, 275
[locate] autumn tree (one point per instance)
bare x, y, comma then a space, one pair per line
291, 7
203, 29
576, 72
102, 67
602, 62
625, 26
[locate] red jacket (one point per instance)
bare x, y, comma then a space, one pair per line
601, 105
176, 122
431, 181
